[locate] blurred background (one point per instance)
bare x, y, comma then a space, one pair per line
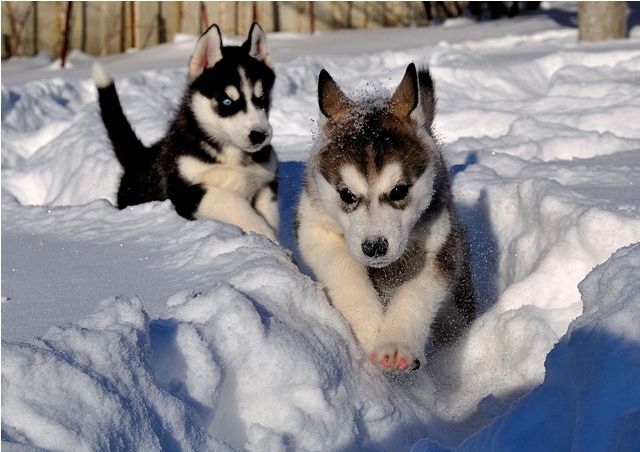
101, 28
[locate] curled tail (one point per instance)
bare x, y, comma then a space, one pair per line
128, 148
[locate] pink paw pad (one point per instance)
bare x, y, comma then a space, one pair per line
395, 361
386, 362
403, 364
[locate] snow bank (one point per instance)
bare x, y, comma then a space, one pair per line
590, 399
59, 262
211, 338
258, 360
100, 373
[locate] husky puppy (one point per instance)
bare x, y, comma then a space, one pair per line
215, 160
377, 223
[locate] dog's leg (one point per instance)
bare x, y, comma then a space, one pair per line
266, 203
230, 207
414, 305
347, 281
407, 322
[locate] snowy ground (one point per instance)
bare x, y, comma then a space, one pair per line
138, 330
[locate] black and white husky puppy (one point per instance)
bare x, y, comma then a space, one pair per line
377, 223
216, 160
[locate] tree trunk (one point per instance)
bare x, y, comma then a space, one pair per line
598, 21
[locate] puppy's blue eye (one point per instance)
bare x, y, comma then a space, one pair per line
226, 102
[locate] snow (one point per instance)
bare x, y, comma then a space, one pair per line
589, 399
137, 329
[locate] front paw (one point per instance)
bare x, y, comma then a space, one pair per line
395, 357
271, 235
264, 230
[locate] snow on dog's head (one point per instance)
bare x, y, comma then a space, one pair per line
230, 89
375, 164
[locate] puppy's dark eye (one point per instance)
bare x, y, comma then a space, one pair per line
347, 196
261, 101
226, 101
399, 192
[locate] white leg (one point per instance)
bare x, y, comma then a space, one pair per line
410, 313
266, 203
230, 207
347, 281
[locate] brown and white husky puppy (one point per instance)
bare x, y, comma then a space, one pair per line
377, 223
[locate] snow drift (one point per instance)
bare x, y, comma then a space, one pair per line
589, 399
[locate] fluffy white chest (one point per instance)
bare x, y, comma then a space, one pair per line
230, 155
230, 175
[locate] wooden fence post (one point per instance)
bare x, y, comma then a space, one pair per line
123, 25
162, 25
179, 16
83, 32
276, 16
204, 17
132, 14
236, 21
35, 27
67, 32
14, 40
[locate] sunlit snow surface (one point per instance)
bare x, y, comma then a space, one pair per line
136, 329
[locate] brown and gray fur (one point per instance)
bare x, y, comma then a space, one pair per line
378, 226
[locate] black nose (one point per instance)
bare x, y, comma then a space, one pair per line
375, 247
257, 136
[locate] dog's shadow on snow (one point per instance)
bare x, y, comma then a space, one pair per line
291, 182
484, 251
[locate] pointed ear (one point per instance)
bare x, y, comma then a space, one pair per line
207, 53
405, 98
427, 95
257, 44
332, 101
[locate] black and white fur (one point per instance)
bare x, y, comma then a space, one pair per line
216, 160
377, 224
